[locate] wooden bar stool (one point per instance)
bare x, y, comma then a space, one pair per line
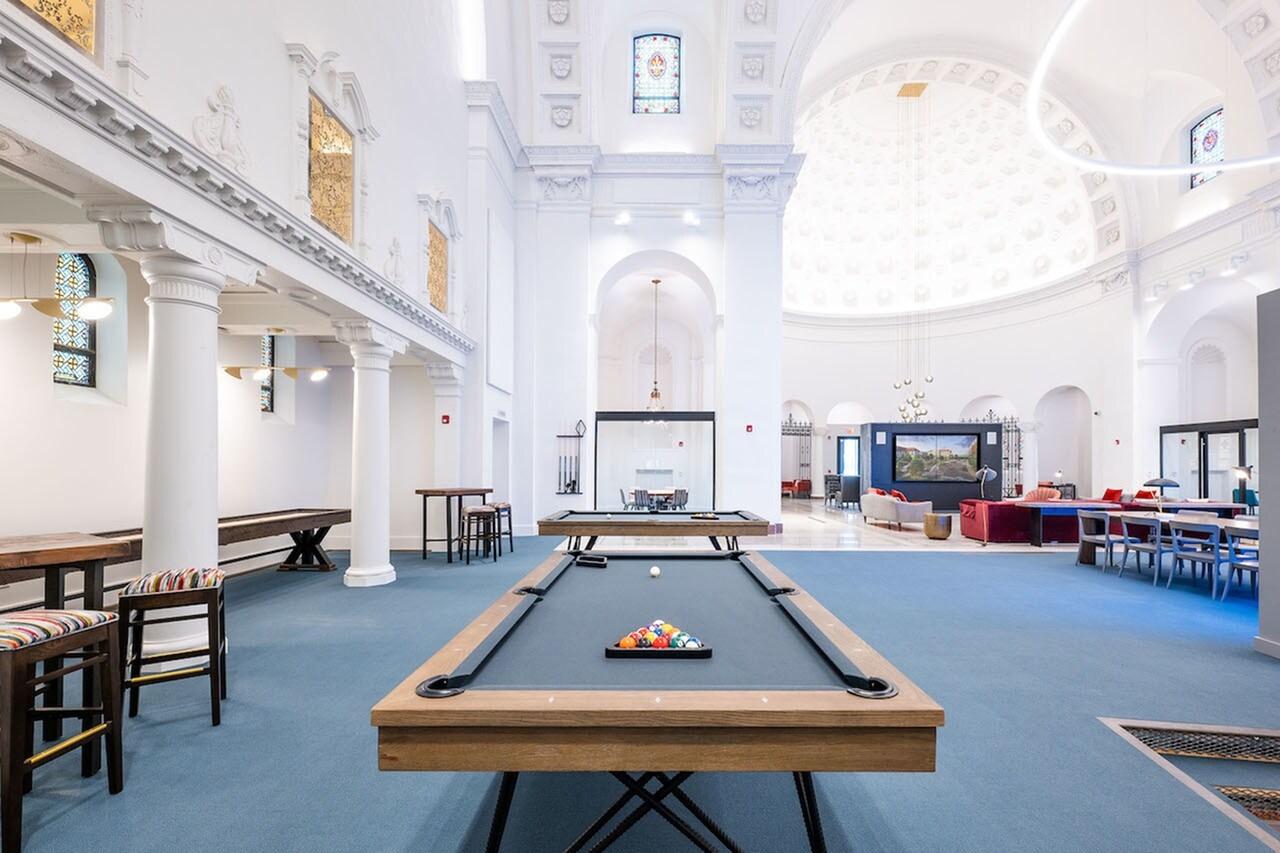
478, 528
503, 510
27, 638
164, 591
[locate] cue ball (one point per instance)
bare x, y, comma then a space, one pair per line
654, 572
610, 515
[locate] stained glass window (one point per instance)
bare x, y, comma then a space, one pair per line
267, 358
437, 268
1207, 147
656, 74
75, 361
74, 20
331, 171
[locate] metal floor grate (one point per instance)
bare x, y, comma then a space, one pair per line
1262, 803
1199, 744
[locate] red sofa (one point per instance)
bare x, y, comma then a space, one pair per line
1009, 521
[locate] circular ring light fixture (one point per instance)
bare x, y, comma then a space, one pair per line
1035, 93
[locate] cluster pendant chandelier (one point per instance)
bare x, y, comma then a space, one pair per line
915, 331
24, 287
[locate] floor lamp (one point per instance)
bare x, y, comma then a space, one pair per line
1161, 483
985, 475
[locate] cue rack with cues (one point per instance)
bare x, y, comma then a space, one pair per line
569, 461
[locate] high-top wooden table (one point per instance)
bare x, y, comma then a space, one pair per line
461, 494
55, 555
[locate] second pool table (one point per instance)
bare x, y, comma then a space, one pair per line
592, 524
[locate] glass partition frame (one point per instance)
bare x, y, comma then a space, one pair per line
651, 417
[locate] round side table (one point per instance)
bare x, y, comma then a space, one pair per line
937, 525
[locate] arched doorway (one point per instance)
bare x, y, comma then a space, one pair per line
1064, 439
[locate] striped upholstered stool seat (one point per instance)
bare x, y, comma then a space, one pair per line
175, 580
27, 627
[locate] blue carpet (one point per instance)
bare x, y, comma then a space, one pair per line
1023, 651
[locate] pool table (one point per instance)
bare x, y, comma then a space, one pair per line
593, 524
797, 692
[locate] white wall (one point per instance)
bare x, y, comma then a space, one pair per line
1268, 639
1065, 441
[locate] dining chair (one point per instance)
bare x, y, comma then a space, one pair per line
640, 499
681, 499
1143, 536
1199, 543
1243, 549
626, 504
1095, 529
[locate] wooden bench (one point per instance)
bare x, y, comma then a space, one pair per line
308, 527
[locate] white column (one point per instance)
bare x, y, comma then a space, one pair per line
447, 385
180, 492
757, 186
372, 348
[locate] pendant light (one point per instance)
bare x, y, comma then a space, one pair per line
90, 308
655, 396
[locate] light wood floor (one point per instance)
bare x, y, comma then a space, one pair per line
808, 525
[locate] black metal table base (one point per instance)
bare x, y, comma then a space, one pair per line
652, 800
308, 555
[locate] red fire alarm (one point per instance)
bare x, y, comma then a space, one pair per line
750, 428
444, 419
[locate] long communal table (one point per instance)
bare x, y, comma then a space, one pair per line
307, 528
1040, 509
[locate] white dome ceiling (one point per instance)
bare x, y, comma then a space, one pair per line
992, 214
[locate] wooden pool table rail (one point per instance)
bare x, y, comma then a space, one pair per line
540, 729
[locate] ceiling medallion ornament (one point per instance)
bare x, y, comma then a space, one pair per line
558, 11
1035, 94
753, 67
751, 117
756, 11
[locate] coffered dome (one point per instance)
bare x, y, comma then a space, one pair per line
957, 205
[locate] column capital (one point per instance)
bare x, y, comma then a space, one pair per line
360, 332
144, 232
446, 378
182, 281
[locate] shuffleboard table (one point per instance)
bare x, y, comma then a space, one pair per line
593, 524
796, 691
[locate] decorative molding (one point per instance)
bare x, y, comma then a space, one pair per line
367, 335
218, 133
136, 132
756, 11
129, 75
753, 66
393, 267
561, 65
562, 115
564, 187
141, 230
446, 378
485, 94
751, 117
439, 211
558, 12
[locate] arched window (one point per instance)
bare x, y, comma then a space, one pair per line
267, 358
75, 358
1207, 147
656, 74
